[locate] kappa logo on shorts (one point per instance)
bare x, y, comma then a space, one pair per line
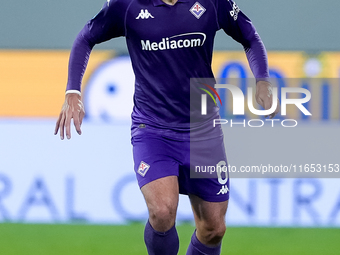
224, 190
143, 168
197, 10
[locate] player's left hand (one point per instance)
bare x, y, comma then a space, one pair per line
264, 97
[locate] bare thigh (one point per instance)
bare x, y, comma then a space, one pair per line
161, 197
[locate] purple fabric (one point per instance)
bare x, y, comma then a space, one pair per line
156, 156
79, 58
197, 248
257, 58
158, 243
241, 29
164, 57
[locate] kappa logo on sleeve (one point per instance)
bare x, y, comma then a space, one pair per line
197, 10
144, 14
143, 168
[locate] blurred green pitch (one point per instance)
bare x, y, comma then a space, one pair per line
26, 239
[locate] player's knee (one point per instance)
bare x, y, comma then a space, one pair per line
163, 213
213, 235
162, 217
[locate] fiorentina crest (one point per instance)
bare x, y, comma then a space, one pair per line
197, 10
143, 168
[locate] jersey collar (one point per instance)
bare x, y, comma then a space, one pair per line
160, 2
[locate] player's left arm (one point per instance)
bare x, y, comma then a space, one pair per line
237, 25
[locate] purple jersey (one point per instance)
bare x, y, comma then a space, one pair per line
168, 45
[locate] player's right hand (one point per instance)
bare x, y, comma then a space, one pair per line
73, 108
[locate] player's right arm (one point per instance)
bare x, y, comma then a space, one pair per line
107, 24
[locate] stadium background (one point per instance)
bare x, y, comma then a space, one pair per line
82, 192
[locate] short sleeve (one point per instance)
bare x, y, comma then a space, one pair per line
234, 22
108, 23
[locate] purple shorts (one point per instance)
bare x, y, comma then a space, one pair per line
201, 166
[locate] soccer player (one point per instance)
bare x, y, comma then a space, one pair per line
171, 41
